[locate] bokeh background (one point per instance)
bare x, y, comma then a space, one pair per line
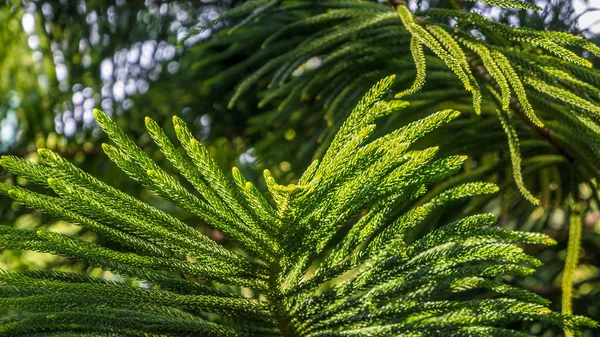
60, 59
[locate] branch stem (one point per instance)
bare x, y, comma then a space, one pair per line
545, 132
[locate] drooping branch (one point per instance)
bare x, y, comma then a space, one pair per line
545, 132
482, 72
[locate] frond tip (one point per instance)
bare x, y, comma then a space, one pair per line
294, 271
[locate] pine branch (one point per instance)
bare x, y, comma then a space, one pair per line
309, 279
357, 246
514, 104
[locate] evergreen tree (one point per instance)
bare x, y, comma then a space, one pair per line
524, 94
382, 235
332, 256
339, 49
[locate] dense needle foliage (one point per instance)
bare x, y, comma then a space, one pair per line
317, 58
276, 281
385, 233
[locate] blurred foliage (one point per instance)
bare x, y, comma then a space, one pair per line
60, 59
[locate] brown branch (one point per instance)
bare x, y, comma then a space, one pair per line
545, 132
396, 3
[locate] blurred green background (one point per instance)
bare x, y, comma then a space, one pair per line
131, 59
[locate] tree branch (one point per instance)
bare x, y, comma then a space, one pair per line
396, 3
545, 132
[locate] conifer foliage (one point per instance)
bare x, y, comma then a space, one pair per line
313, 60
332, 255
